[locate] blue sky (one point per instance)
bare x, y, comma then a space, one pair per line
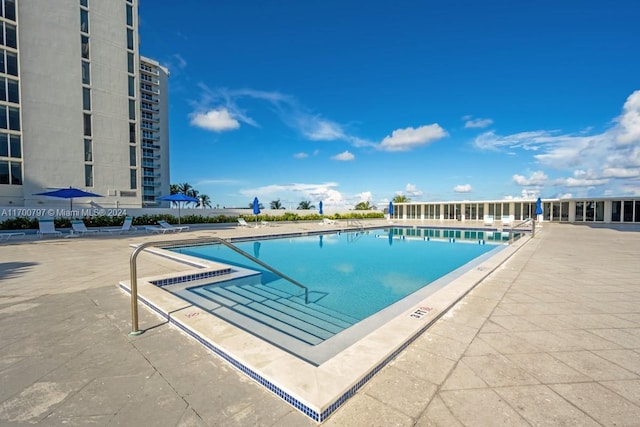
348, 101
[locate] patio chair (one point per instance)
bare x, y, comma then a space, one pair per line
126, 227
77, 226
7, 236
327, 221
47, 226
242, 223
174, 228
488, 220
265, 223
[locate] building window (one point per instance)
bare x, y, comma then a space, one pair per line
132, 86
12, 91
4, 172
86, 73
9, 11
4, 145
84, 3
129, 16
132, 133
10, 36
85, 46
133, 179
3, 89
88, 150
132, 156
129, 39
132, 109
16, 173
84, 21
15, 148
88, 175
12, 63
14, 118
86, 99
130, 63
87, 124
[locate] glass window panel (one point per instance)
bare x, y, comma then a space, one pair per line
637, 215
132, 156
505, 209
15, 147
133, 179
87, 124
13, 91
12, 63
556, 211
85, 46
1, 30
546, 211
16, 173
11, 37
14, 118
86, 73
4, 145
88, 150
132, 86
129, 15
590, 209
84, 3
132, 132
129, 39
86, 98
600, 211
628, 211
132, 109
4, 172
3, 89
564, 214
84, 20
130, 63
616, 210
88, 175
3, 117
10, 9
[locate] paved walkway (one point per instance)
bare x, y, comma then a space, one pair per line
551, 338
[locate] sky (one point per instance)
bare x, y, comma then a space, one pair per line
345, 101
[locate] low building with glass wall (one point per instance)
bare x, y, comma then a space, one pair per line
575, 210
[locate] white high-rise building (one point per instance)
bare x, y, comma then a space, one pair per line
78, 105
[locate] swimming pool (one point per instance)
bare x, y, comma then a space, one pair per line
350, 276
316, 379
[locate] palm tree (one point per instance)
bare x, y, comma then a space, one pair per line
259, 205
203, 201
184, 188
363, 206
276, 204
401, 198
174, 189
305, 205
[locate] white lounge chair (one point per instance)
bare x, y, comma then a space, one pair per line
242, 223
174, 228
506, 220
155, 229
78, 227
126, 227
488, 220
327, 221
47, 226
7, 236
265, 223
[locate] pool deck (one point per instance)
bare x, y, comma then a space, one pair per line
552, 337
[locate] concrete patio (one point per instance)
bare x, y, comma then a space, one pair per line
550, 338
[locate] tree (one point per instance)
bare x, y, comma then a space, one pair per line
305, 205
401, 198
276, 204
203, 201
184, 188
259, 205
363, 206
174, 189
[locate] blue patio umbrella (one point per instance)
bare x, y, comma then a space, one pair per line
68, 193
179, 198
256, 209
538, 206
320, 208
390, 209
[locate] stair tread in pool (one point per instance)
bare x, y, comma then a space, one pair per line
309, 314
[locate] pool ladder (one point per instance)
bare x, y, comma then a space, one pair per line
189, 242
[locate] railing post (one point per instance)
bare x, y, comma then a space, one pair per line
133, 276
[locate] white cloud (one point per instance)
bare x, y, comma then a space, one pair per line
345, 156
629, 121
409, 138
580, 182
463, 188
300, 155
317, 129
477, 123
620, 173
365, 196
412, 191
536, 178
218, 120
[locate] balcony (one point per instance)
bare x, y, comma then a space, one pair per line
149, 89
150, 146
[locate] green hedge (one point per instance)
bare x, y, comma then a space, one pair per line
28, 223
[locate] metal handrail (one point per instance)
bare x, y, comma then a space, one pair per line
189, 242
513, 227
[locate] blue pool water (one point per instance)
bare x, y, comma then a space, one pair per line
352, 274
